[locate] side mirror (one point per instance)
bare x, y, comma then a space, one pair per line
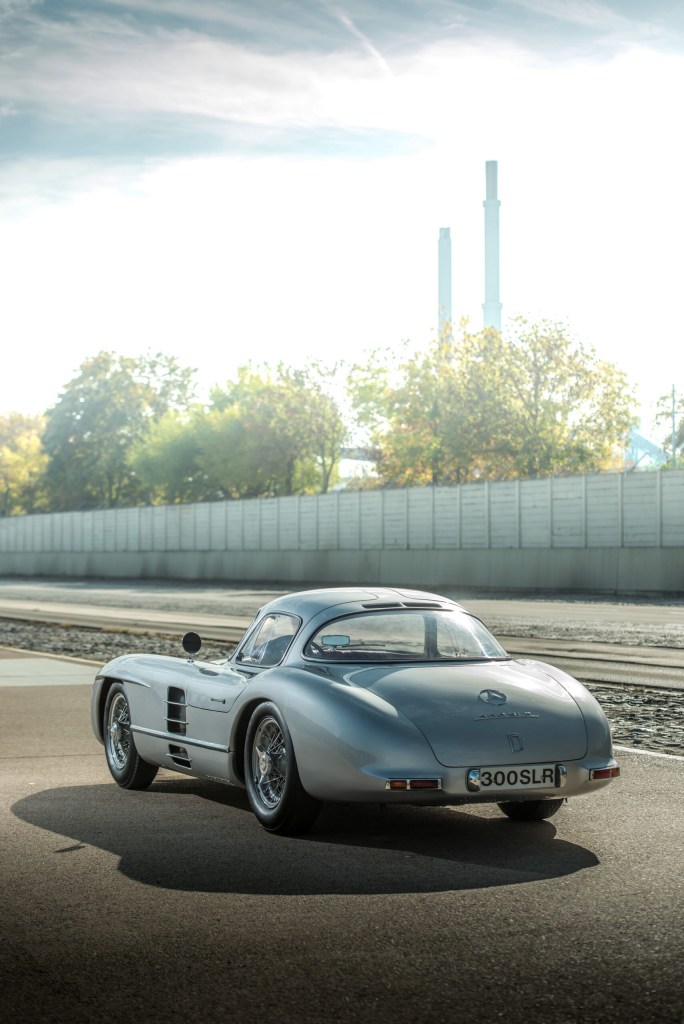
191, 644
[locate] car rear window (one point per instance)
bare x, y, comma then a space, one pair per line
406, 635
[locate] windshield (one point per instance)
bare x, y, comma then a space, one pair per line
416, 635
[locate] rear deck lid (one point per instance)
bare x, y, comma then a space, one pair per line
484, 713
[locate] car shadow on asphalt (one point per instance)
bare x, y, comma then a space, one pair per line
200, 836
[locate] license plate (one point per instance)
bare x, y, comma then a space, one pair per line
515, 777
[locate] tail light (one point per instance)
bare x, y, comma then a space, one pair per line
413, 784
604, 773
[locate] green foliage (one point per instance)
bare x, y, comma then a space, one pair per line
273, 433
100, 415
559, 408
165, 460
412, 411
481, 406
265, 433
472, 407
22, 464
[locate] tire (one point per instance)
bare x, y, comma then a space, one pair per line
531, 810
276, 795
123, 760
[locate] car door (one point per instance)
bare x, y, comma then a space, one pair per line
209, 698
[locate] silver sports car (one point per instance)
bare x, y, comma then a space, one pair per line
357, 695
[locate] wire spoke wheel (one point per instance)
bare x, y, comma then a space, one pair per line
276, 795
127, 767
269, 762
119, 731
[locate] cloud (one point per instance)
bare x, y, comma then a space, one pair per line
110, 83
325, 181
125, 80
366, 43
596, 16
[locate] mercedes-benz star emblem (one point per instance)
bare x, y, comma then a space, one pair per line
492, 696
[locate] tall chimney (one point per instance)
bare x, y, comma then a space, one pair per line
492, 305
444, 281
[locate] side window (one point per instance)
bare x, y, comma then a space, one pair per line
267, 645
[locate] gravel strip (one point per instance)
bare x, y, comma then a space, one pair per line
627, 635
99, 645
644, 717
640, 717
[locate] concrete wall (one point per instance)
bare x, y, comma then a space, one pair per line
616, 533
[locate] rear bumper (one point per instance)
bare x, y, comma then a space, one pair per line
459, 785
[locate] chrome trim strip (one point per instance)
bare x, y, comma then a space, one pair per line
172, 737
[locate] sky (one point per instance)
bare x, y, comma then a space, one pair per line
265, 180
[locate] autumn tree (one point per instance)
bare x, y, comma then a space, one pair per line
410, 409
484, 406
22, 464
558, 408
100, 414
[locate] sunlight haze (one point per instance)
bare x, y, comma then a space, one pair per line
236, 181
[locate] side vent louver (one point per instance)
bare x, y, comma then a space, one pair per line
179, 756
175, 711
176, 722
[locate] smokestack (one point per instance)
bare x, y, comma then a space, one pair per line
492, 305
444, 281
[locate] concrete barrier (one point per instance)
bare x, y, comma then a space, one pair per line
612, 533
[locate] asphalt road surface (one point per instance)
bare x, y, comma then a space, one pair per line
174, 906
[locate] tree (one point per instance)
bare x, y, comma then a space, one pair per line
327, 429
264, 433
272, 433
101, 413
481, 406
165, 461
22, 464
559, 408
411, 411
670, 412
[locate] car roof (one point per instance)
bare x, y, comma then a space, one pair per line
308, 603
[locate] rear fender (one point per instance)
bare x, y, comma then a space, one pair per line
599, 740
345, 737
